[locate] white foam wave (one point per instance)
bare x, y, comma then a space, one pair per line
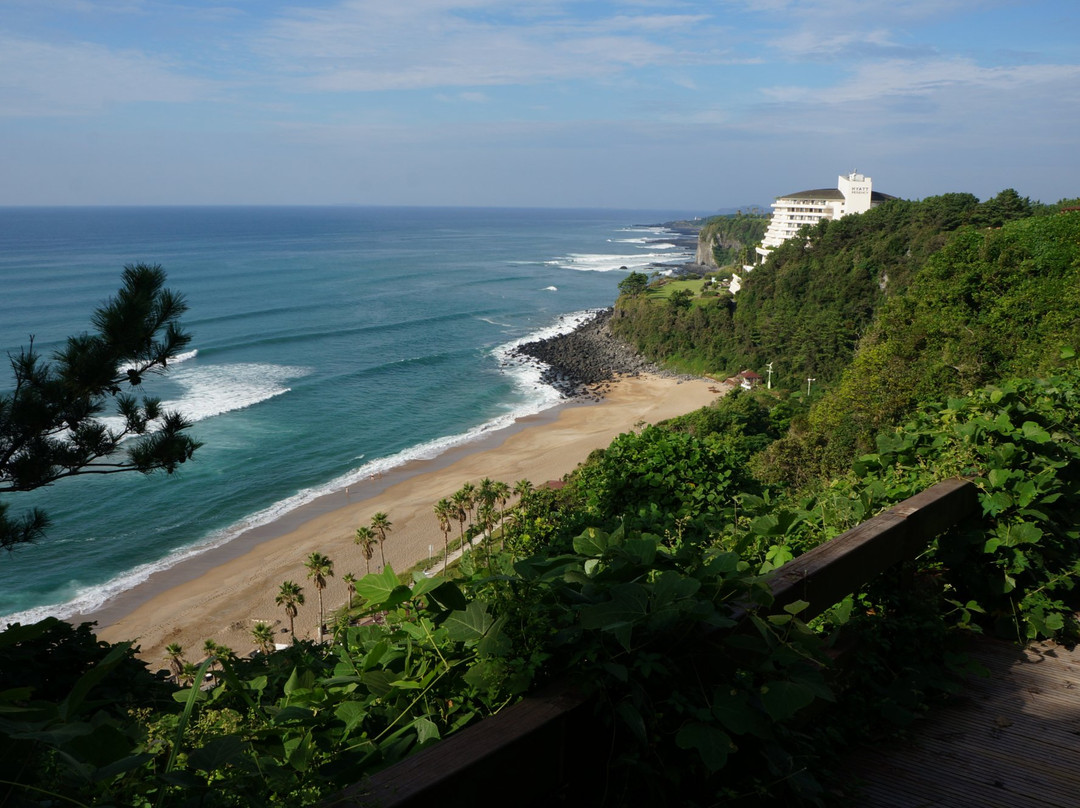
211, 390
217, 389
526, 373
489, 321
550, 289
176, 360
646, 243
600, 262
184, 357
654, 229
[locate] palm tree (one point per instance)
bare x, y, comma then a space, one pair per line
291, 596
485, 515
187, 674
174, 653
460, 501
486, 491
212, 649
319, 568
365, 537
485, 512
444, 512
350, 584
263, 634
523, 488
502, 494
469, 493
380, 523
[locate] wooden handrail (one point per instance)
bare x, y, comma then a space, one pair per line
537, 745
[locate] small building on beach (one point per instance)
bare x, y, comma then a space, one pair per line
747, 380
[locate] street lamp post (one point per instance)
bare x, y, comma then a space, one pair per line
808, 380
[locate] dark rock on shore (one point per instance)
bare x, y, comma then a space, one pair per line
578, 364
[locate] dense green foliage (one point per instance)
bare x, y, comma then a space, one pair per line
989, 304
808, 305
629, 578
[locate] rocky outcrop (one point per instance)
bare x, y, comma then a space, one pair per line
705, 253
579, 363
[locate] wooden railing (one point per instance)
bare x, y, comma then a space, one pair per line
538, 747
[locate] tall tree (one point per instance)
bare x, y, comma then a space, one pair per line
634, 284
350, 585
319, 568
381, 524
445, 512
468, 491
460, 501
174, 654
49, 426
503, 493
291, 596
365, 537
523, 487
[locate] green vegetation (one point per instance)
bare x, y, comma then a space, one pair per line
49, 427
947, 325
806, 308
732, 238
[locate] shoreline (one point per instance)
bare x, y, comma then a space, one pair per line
221, 593
249, 540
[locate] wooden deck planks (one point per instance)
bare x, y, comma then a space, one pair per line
1011, 739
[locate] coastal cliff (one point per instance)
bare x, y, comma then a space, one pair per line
723, 238
704, 253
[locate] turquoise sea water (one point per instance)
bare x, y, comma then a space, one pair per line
329, 344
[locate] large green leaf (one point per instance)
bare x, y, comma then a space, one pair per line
593, 543
670, 586
426, 730
299, 751
448, 595
1035, 433
628, 605
712, 743
782, 700
217, 753
469, 625
350, 713
377, 587
423, 585
733, 710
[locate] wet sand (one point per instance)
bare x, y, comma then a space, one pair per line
221, 594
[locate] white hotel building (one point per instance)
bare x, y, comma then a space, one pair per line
853, 194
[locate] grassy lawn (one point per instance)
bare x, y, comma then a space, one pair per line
665, 291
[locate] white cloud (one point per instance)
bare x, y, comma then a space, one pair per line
41, 79
876, 81
372, 46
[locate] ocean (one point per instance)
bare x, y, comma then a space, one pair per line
330, 345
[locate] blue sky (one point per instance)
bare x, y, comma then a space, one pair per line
686, 105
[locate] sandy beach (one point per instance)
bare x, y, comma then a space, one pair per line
222, 602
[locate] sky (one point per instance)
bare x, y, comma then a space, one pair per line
696, 106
